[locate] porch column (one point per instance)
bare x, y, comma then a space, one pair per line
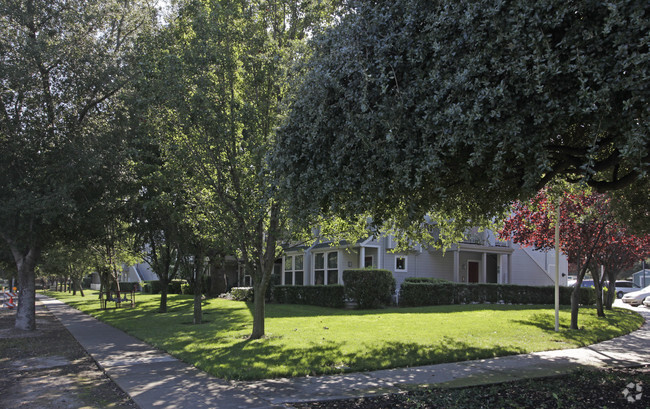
307, 270
456, 266
509, 271
484, 267
362, 257
502, 270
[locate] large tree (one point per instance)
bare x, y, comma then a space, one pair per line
457, 108
225, 75
61, 65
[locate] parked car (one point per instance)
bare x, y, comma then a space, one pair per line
585, 283
635, 298
623, 287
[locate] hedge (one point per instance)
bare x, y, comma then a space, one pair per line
414, 294
370, 288
125, 287
155, 287
426, 280
242, 293
322, 295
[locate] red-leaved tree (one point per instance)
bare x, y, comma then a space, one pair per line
589, 237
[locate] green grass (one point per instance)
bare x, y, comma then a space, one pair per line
303, 340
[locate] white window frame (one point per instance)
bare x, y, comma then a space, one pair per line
406, 265
292, 269
326, 268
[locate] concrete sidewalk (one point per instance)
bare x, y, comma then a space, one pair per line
154, 379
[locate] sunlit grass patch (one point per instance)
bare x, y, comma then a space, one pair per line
303, 340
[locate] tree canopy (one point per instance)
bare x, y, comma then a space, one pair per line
457, 108
61, 65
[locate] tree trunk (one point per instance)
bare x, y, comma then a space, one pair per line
198, 312
259, 306
262, 274
164, 283
575, 305
575, 296
25, 264
599, 291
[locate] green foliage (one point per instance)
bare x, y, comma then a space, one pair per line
411, 107
126, 287
332, 296
370, 288
305, 339
425, 280
152, 287
242, 293
420, 293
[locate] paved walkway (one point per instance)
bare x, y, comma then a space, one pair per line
154, 379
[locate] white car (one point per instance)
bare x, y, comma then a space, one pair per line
623, 287
635, 298
646, 302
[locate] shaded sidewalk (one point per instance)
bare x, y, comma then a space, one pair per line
154, 379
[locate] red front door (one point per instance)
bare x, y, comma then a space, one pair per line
472, 271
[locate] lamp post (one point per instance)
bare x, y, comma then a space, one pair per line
557, 267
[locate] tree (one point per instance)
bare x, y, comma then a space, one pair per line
587, 234
70, 262
621, 251
454, 109
62, 64
225, 74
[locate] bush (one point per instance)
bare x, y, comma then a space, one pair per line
426, 293
426, 280
175, 286
242, 293
125, 287
152, 287
332, 296
370, 288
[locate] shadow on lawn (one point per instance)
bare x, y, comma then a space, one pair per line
293, 310
249, 360
606, 328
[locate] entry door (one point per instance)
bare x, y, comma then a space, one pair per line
472, 271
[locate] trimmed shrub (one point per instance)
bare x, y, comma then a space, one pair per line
125, 287
332, 296
370, 288
175, 286
426, 280
152, 287
421, 293
242, 293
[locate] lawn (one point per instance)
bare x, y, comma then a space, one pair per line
303, 340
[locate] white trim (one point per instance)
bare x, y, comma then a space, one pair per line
406, 265
326, 268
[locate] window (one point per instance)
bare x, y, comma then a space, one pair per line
299, 272
400, 263
293, 270
326, 268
